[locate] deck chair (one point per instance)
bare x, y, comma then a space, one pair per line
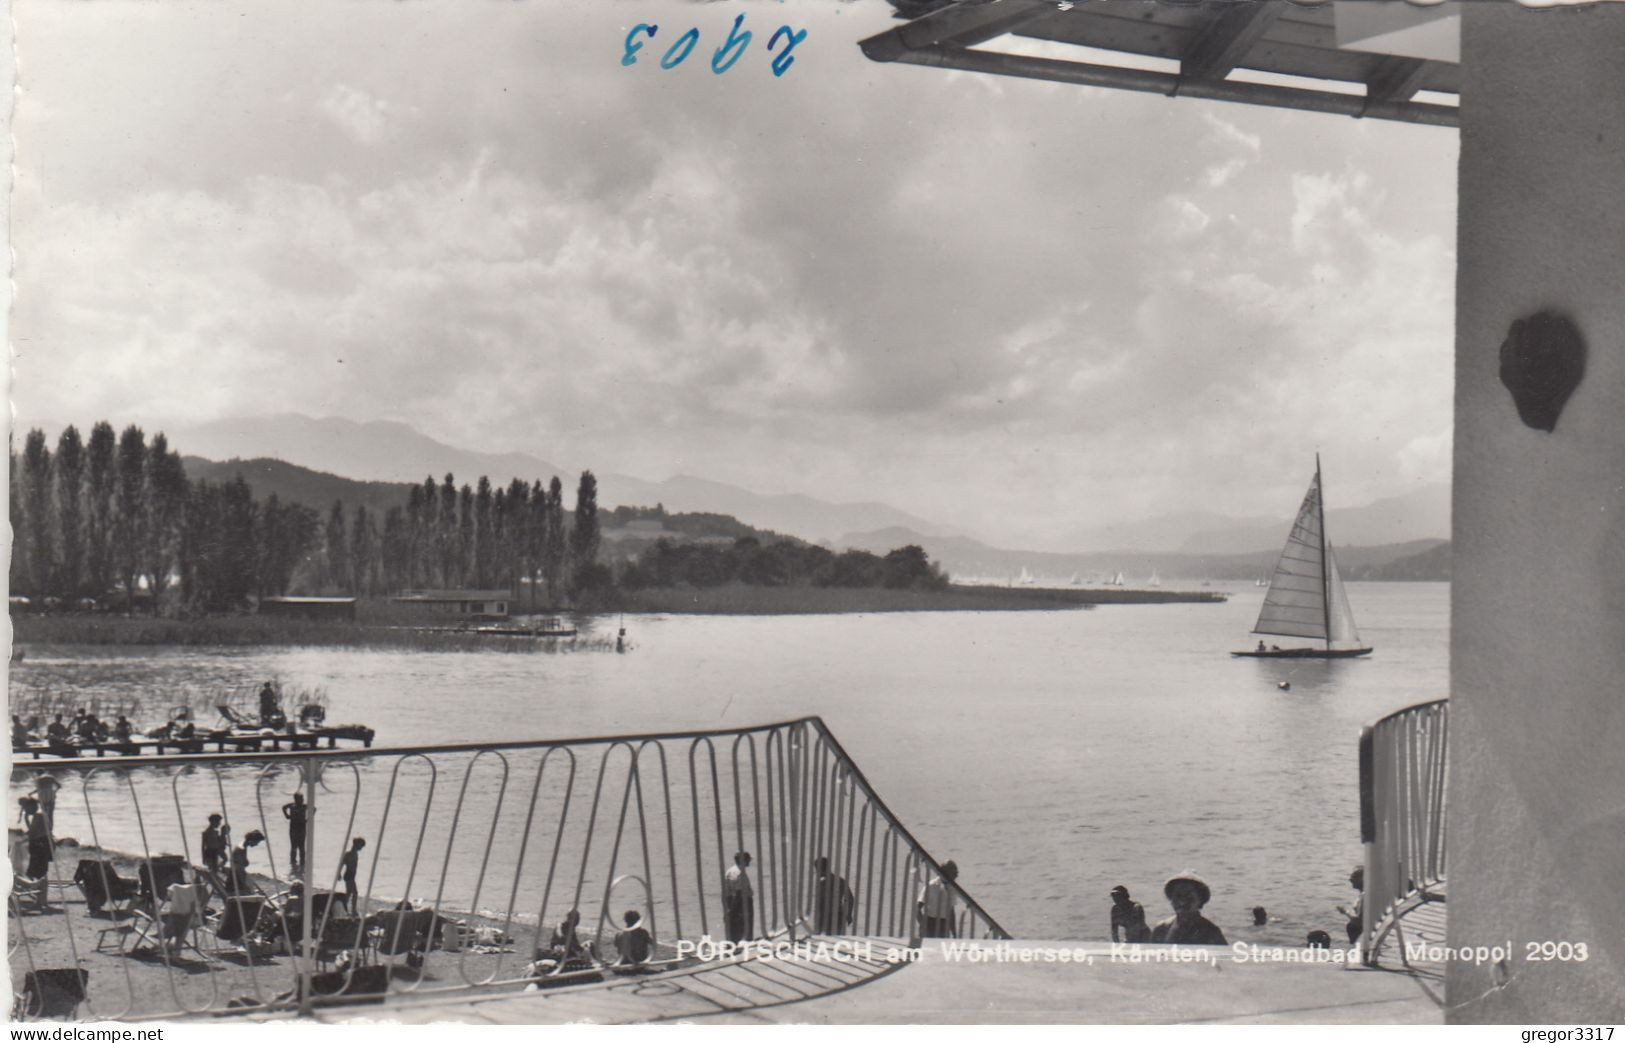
102, 887
54, 994
29, 895
236, 719
159, 874
234, 926
403, 932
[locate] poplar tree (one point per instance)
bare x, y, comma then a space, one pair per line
37, 513
99, 483
165, 503
553, 546
337, 551
129, 511
70, 511
584, 534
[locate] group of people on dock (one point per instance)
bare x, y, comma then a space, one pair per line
1188, 894
85, 729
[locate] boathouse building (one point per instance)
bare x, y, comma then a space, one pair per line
481, 605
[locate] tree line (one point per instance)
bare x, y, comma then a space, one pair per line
784, 563
117, 515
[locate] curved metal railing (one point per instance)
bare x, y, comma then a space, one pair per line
506, 836
1402, 808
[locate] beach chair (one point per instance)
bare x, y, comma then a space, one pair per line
53, 994
159, 874
236, 928
403, 932
29, 895
102, 887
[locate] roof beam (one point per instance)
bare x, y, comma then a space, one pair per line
1395, 78
1090, 75
1222, 46
964, 24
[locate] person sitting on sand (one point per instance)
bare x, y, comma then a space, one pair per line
1187, 894
633, 944
1129, 916
1355, 913
565, 947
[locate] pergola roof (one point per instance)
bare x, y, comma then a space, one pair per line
1263, 52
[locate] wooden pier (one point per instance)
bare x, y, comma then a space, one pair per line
218, 741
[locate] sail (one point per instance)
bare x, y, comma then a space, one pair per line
1295, 605
1338, 615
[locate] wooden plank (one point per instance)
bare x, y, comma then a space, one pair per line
1227, 39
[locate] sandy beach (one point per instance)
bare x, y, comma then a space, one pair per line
129, 979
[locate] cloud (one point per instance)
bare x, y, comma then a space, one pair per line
1008, 305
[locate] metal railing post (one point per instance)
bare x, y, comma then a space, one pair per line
307, 954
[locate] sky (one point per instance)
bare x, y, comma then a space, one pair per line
1021, 309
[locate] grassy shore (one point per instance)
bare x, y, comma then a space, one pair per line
246, 630
731, 599
738, 599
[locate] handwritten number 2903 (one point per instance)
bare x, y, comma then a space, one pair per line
723, 59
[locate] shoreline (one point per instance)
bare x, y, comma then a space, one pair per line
728, 600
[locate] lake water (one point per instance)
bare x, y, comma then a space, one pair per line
1052, 754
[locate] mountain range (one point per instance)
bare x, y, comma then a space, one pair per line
383, 455
382, 451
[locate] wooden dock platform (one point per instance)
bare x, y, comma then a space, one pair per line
216, 741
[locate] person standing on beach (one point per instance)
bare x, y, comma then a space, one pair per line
738, 899
347, 867
295, 814
216, 842
1187, 894
1129, 917
935, 907
240, 882
39, 839
45, 788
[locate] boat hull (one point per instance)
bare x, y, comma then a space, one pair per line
1303, 653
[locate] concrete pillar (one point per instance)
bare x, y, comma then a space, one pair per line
1536, 827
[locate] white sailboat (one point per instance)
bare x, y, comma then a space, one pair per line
1026, 578
1117, 581
1306, 598
1155, 580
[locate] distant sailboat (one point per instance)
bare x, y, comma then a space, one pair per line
1026, 578
1117, 581
1155, 580
1075, 580
1306, 596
